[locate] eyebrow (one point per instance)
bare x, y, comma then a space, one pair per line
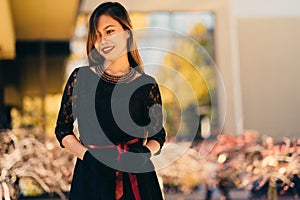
106, 27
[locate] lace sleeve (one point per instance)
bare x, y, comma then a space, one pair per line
156, 130
64, 123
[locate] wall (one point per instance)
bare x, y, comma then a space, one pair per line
268, 61
269, 64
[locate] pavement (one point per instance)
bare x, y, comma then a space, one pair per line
235, 195
196, 195
200, 195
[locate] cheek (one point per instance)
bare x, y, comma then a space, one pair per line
119, 38
122, 42
97, 44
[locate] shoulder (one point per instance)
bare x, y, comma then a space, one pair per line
148, 83
74, 72
81, 70
149, 79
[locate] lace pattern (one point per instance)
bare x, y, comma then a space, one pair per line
154, 107
65, 121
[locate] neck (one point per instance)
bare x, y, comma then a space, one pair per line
117, 67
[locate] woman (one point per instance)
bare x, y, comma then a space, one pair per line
118, 110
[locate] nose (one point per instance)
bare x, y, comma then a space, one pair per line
103, 39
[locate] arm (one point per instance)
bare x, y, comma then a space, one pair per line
74, 146
64, 125
156, 130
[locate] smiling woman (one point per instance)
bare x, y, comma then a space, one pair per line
118, 110
111, 43
104, 32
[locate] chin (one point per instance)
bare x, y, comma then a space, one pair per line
112, 56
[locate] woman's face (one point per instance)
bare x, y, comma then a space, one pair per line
111, 40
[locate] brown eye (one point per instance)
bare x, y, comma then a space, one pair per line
109, 31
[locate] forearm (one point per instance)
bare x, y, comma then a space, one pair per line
153, 146
74, 146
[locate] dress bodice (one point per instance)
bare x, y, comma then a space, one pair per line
111, 108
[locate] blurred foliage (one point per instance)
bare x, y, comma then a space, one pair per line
29, 167
30, 117
246, 162
192, 77
30, 187
186, 171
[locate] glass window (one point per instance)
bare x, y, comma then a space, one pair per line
181, 42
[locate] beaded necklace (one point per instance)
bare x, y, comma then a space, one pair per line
115, 79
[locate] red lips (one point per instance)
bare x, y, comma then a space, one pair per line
107, 50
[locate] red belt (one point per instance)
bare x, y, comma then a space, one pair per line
122, 148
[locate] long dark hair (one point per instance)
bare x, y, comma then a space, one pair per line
120, 14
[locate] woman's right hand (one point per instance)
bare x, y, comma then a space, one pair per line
71, 143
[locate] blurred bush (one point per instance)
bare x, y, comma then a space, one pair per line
29, 167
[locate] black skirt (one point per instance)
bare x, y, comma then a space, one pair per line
93, 180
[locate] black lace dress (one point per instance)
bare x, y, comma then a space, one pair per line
110, 110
